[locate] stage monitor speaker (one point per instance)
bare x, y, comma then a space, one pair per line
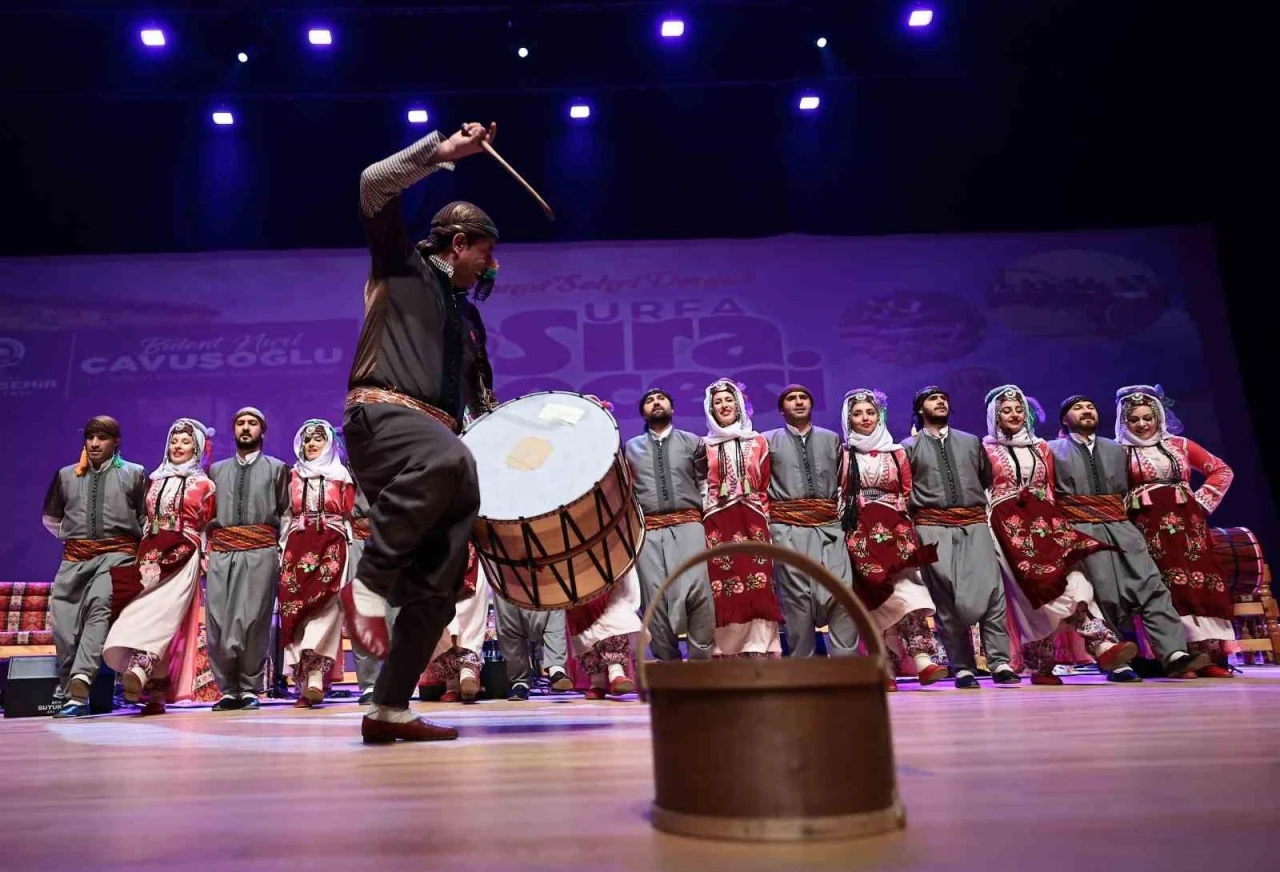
29, 687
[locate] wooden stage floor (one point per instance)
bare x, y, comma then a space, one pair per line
1159, 776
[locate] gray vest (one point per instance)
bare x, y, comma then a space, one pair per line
664, 473
254, 494
803, 468
98, 505
948, 474
1077, 471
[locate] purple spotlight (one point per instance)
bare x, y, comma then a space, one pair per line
152, 37
920, 18
579, 110
223, 119
417, 116
809, 102
320, 36
672, 28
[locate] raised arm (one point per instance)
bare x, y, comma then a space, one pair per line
382, 183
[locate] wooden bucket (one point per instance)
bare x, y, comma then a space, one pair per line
1240, 556
773, 750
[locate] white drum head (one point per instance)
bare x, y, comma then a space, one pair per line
539, 452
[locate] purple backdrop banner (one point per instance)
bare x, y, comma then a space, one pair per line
149, 338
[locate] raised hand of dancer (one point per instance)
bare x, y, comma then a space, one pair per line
466, 141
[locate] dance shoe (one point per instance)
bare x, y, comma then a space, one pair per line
1006, 677
1184, 662
890, 685
468, 685
518, 693
1124, 675
72, 709
1046, 680
1116, 656
303, 703
249, 704
1213, 670
967, 681
228, 704
560, 681
450, 696
375, 732
133, 680
932, 674
154, 706
621, 685
368, 628
366, 697
594, 693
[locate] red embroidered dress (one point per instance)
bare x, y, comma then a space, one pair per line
1039, 542
884, 542
178, 509
736, 509
1174, 521
315, 548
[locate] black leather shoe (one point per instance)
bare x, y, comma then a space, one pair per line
967, 682
72, 709
249, 704
366, 698
1184, 662
519, 692
227, 704
1124, 675
1006, 677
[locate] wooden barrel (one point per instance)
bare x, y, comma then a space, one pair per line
1240, 556
773, 750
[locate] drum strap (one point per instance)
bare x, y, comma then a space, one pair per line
362, 396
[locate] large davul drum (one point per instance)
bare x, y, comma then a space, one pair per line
559, 522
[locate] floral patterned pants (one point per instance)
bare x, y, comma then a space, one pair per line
1040, 656
1212, 647
449, 665
615, 649
308, 663
917, 638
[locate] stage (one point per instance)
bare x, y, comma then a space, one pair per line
1163, 775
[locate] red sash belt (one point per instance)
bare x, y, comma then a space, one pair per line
803, 513
250, 537
79, 550
1092, 508
670, 519
960, 516
360, 396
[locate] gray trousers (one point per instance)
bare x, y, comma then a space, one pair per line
687, 606
967, 589
518, 627
80, 614
240, 594
1127, 584
806, 604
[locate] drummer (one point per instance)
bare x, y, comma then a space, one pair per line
419, 362
661, 461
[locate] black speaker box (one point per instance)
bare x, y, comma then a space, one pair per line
29, 686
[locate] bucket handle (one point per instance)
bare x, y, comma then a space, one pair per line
866, 627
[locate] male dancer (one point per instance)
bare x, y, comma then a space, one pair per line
95, 507
1091, 478
950, 473
244, 563
518, 627
804, 483
419, 363
661, 459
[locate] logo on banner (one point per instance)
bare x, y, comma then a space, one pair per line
11, 352
618, 349
910, 328
12, 382
1077, 294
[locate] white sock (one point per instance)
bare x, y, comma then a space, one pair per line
392, 715
1174, 655
922, 662
227, 696
368, 603
555, 671
1003, 667
316, 680
465, 673
246, 696
616, 671
960, 673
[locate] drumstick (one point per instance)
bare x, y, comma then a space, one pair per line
519, 178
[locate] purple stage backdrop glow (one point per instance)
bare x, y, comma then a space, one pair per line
150, 338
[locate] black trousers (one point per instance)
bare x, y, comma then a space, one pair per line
420, 481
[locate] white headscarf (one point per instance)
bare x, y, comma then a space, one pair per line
200, 434
1025, 437
739, 428
328, 465
1145, 395
879, 438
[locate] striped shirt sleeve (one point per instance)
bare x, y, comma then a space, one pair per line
380, 187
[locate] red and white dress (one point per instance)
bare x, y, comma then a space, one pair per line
315, 538
735, 508
1174, 519
1038, 547
157, 597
